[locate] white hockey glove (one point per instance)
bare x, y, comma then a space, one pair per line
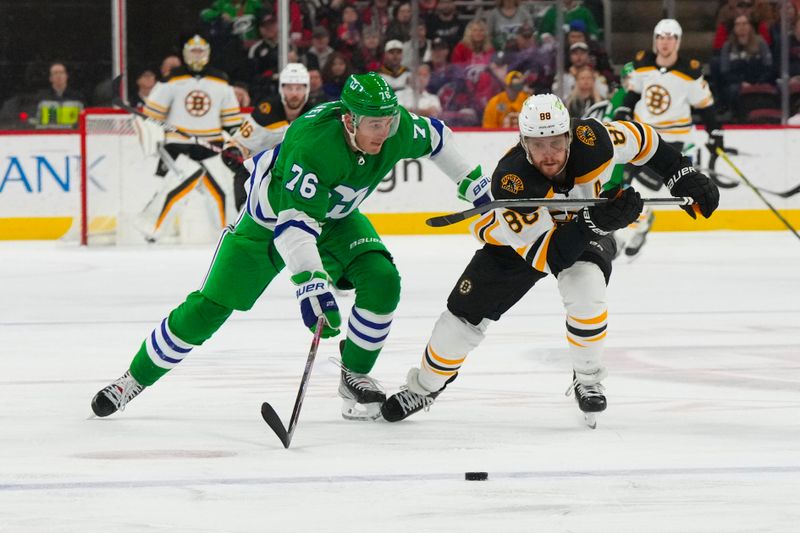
476, 190
149, 135
316, 299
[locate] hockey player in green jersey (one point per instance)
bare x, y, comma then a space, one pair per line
302, 213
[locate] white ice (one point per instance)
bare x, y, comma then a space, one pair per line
702, 433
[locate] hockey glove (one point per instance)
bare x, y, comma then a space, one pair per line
624, 207
623, 113
476, 190
316, 299
233, 158
715, 140
688, 182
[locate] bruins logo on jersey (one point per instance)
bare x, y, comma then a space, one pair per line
585, 135
265, 107
197, 103
465, 287
694, 64
512, 183
657, 99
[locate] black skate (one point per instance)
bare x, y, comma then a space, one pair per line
361, 395
591, 399
406, 402
637, 240
114, 397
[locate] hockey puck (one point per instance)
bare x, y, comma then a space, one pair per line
476, 476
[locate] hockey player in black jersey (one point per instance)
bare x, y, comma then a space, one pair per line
267, 124
555, 158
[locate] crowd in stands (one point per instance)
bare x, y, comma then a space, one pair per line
477, 61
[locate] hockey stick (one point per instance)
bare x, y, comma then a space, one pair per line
784, 194
268, 412
452, 218
738, 172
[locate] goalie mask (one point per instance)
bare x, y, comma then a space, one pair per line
544, 128
196, 53
294, 74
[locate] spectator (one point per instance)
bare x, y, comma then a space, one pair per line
775, 33
536, 64
168, 64
502, 110
392, 69
475, 47
233, 17
368, 56
400, 26
573, 11
442, 71
377, 15
417, 99
348, 32
263, 58
579, 58
584, 94
745, 60
59, 105
504, 21
423, 48
444, 23
743, 7
334, 74
242, 95
794, 51
597, 56
316, 95
145, 82
318, 54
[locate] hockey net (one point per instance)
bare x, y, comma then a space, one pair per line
118, 163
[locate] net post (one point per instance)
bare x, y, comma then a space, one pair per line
84, 184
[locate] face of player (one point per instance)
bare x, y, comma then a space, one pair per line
372, 132
666, 45
548, 154
294, 94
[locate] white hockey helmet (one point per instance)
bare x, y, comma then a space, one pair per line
543, 115
667, 27
294, 73
196, 53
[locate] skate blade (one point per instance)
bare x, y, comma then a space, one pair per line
591, 420
366, 412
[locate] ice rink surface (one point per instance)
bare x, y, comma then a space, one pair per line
702, 433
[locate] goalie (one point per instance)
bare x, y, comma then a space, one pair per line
199, 102
266, 125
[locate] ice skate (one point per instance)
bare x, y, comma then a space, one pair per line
361, 395
590, 397
116, 396
639, 231
411, 398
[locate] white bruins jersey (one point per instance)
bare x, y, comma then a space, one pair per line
668, 94
594, 151
201, 104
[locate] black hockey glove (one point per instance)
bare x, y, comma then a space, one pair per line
715, 140
624, 207
623, 113
688, 182
233, 158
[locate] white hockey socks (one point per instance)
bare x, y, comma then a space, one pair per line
583, 291
452, 339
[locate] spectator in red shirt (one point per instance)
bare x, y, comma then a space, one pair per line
368, 56
743, 7
475, 48
377, 15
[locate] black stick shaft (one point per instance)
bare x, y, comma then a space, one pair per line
739, 173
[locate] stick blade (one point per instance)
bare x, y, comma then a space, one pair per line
444, 220
274, 421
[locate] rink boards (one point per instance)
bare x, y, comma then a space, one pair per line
40, 183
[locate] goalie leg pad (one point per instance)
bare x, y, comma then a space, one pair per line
452, 339
583, 291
